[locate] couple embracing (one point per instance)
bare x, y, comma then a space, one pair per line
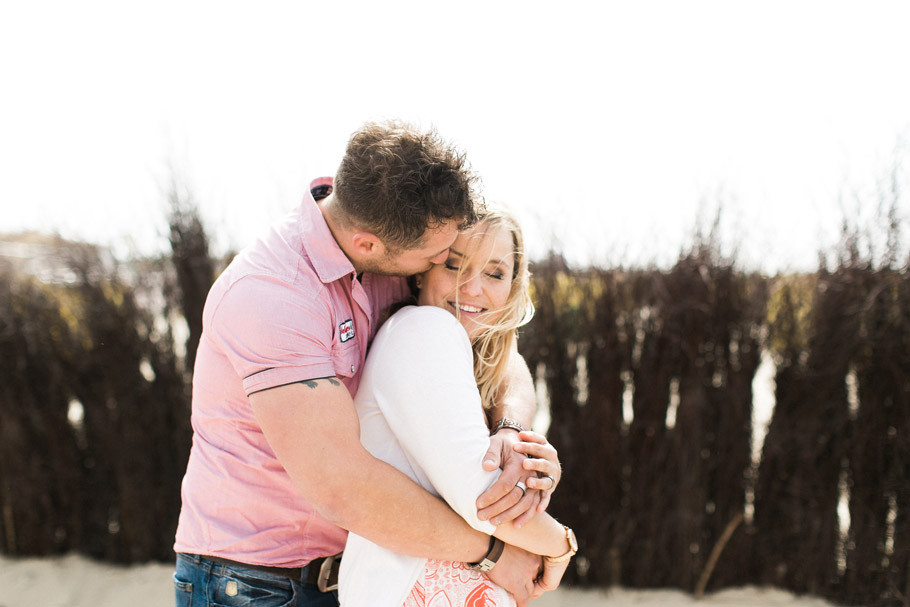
419, 450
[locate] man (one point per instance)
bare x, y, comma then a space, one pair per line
277, 472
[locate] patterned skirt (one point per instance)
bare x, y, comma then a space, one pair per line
448, 584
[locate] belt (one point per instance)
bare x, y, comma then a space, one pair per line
323, 572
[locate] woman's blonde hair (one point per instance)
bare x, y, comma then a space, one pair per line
493, 345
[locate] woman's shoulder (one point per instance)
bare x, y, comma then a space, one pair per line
422, 325
424, 315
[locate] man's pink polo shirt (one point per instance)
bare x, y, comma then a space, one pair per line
287, 309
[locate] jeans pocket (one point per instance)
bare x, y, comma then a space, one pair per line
183, 592
233, 589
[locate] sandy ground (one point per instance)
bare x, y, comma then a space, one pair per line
74, 581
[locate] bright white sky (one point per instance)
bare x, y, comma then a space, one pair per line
612, 127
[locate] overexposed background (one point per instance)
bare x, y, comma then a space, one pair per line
614, 128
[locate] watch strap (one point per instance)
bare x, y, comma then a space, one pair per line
573, 548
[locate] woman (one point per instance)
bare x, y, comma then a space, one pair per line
421, 409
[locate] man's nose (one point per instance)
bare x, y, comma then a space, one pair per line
440, 258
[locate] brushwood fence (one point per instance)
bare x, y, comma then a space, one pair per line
649, 376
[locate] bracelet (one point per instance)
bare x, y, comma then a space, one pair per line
505, 422
493, 554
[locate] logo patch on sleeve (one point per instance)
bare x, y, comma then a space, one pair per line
346, 330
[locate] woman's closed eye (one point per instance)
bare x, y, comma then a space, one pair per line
495, 274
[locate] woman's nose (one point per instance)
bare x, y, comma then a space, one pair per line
471, 285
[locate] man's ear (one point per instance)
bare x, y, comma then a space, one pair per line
367, 244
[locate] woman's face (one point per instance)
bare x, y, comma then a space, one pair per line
475, 281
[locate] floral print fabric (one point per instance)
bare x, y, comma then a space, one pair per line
448, 584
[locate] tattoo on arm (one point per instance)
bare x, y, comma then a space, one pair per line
311, 383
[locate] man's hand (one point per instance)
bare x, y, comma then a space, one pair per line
540, 472
550, 578
505, 501
518, 571
543, 459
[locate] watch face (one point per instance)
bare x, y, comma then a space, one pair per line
573, 542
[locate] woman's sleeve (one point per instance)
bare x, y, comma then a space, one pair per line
425, 388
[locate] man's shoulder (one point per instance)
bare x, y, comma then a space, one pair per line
244, 277
258, 296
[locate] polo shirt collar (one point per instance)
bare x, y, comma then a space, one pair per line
326, 257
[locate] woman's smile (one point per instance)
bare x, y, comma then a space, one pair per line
467, 308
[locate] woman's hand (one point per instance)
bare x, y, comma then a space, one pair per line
550, 578
543, 459
519, 572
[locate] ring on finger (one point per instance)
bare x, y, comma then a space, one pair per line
523, 487
552, 483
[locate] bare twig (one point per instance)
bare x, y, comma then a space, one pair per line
715, 555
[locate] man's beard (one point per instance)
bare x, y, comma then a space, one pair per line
387, 267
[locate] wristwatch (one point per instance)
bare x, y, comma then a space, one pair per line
573, 548
505, 422
487, 562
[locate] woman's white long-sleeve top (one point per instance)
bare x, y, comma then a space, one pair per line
420, 411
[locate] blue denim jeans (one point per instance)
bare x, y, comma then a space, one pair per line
199, 582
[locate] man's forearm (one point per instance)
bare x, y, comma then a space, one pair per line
350, 487
398, 514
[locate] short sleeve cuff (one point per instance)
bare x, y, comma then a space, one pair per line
281, 376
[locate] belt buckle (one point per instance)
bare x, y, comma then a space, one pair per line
325, 572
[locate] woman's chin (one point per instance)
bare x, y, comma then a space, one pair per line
470, 327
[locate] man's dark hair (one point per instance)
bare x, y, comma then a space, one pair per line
397, 182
